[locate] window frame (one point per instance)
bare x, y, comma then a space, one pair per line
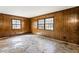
49, 23
45, 23
40, 24
16, 24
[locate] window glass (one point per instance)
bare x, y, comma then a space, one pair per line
49, 24
16, 24
41, 24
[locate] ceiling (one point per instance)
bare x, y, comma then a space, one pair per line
31, 11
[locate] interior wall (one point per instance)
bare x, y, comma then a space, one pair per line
66, 25
6, 25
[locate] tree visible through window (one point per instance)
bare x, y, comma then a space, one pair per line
16, 24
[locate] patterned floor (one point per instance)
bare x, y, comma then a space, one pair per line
35, 44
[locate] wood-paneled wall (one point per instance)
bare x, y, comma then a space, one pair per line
6, 26
66, 25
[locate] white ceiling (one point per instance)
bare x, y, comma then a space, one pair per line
31, 11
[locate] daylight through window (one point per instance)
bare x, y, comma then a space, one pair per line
16, 24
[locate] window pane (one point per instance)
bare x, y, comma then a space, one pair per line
49, 24
18, 27
49, 20
18, 21
41, 21
14, 27
41, 24
41, 27
14, 22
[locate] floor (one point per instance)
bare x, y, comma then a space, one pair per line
35, 44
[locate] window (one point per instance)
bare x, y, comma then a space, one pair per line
41, 24
49, 24
46, 24
16, 24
